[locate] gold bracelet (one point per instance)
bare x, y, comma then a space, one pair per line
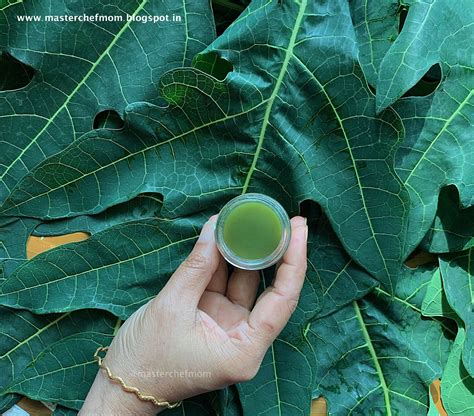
131, 389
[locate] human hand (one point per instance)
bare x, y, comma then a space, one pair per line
202, 332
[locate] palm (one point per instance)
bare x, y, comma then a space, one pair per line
228, 301
226, 313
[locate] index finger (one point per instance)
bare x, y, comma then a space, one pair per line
276, 304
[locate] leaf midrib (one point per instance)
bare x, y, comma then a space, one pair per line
94, 269
11, 388
37, 333
76, 89
9, 5
443, 129
373, 355
288, 55
132, 154
272, 351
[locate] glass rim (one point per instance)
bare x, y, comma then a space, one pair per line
255, 264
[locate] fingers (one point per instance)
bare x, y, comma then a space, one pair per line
290, 275
193, 275
242, 287
277, 303
218, 282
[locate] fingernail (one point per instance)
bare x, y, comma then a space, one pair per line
207, 232
297, 221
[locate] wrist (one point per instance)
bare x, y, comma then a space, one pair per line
107, 398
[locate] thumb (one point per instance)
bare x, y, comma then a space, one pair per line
193, 275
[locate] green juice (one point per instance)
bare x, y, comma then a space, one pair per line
252, 230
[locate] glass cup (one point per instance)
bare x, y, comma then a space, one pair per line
255, 263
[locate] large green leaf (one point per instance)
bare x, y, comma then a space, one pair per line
457, 387
278, 104
434, 32
378, 355
437, 150
299, 126
116, 270
42, 352
83, 68
457, 271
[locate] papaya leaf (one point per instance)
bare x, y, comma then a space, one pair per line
336, 279
303, 128
424, 42
284, 382
75, 79
437, 151
378, 355
117, 270
457, 387
313, 102
42, 352
457, 271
